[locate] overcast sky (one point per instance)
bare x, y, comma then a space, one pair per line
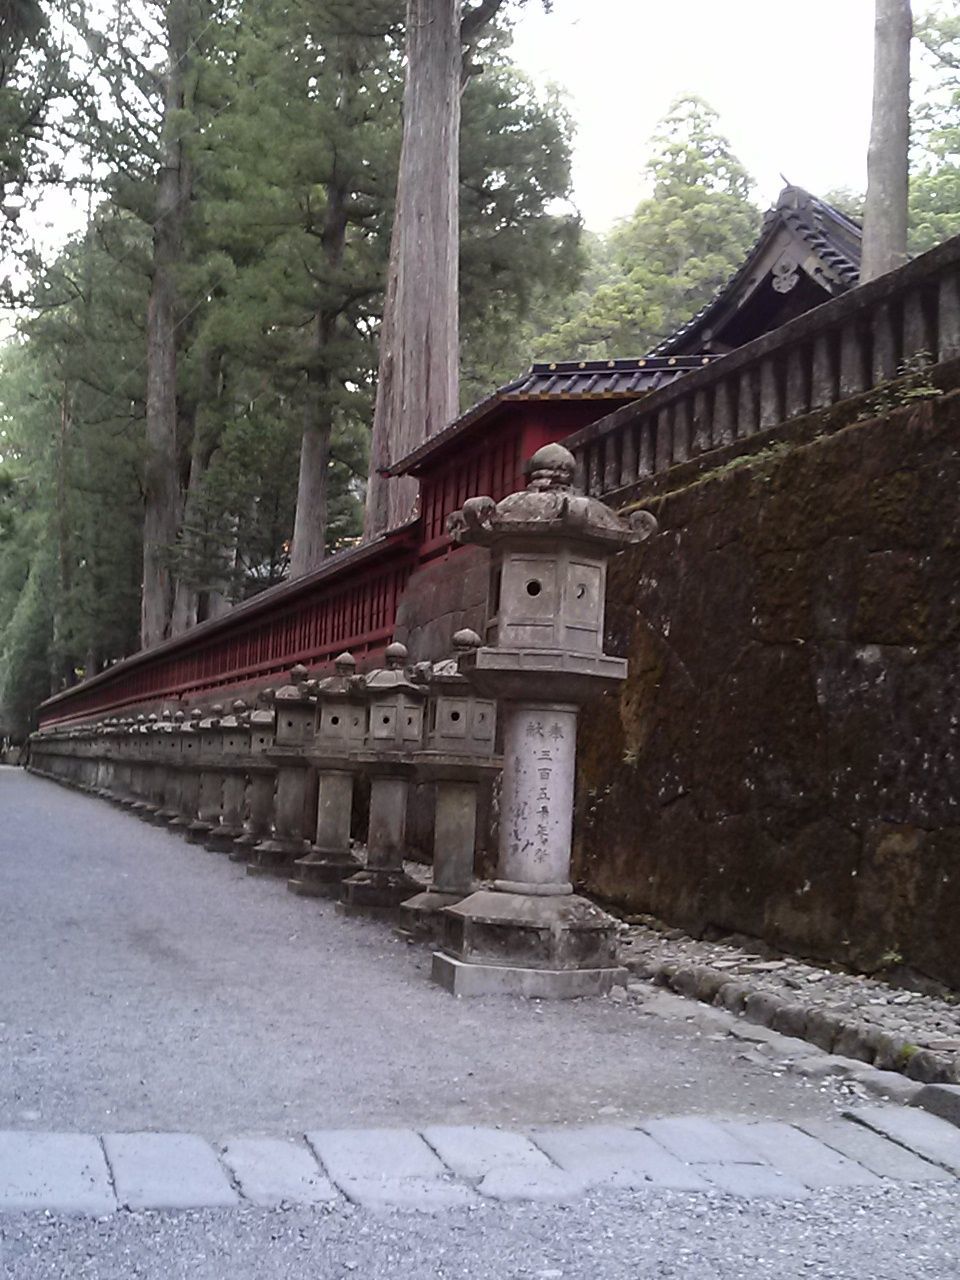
792, 84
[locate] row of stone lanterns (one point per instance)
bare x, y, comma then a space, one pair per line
242, 781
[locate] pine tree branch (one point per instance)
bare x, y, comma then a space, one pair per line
474, 21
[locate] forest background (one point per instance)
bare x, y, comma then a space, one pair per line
275, 238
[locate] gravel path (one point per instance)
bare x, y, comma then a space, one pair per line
885, 1235
152, 985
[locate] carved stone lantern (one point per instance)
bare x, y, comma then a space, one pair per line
457, 756
210, 742
172, 750
234, 758
139, 767
543, 657
261, 774
339, 736
294, 710
153, 777
189, 790
393, 734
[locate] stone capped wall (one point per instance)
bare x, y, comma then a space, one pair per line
441, 597
784, 760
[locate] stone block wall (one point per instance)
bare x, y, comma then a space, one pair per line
441, 597
784, 760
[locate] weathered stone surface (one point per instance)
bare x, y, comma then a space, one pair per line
270, 1171
790, 634
473, 1151
700, 1141
803, 1158
876, 1153
167, 1171
59, 1172
927, 1135
941, 1100
388, 1169
623, 1158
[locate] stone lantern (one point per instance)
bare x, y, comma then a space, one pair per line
172, 749
137, 766
339, 736
294, 711
154, 775
188, 791
235, 753
260, 725
543, 658
393, 734
210, 742
457, 756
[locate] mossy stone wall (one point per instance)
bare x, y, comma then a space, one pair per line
784, 759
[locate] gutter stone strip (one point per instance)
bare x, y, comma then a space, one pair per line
830, 1029
453, 1167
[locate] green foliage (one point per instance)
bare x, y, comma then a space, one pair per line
520, 248
290, 130
935, 180
659, 266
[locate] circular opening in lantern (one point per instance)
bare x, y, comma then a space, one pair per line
334, 719
534, 587
454, 715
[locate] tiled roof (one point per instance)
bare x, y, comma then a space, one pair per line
565, 380
829, 234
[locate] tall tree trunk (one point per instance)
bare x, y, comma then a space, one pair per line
418, 378
885, 211
161, 487
199, 426
59, 667
310, 521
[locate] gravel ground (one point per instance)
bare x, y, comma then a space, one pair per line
152, 985
885, 1235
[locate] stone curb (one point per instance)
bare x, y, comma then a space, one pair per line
848, 1038
451, 1167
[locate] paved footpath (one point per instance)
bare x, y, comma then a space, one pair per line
201, 1074
446, 1167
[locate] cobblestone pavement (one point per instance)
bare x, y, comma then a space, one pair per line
446, 1167
915, 1031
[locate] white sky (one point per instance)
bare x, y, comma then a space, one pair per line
791, 82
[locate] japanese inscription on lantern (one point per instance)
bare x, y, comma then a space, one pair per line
544, 737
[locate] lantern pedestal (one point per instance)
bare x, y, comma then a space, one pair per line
531, 935
329, 862
382, 885
273, 857
454, 844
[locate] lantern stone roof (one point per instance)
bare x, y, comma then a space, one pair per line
549, 507
556, 381
807, 252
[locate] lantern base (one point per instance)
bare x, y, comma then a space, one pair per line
511, 937
221, 839
273, 857
420, 916
376, 891
462, 979
321, 873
